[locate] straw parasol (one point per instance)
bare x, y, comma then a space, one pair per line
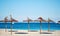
49, 20
5, 20
40, 20
12, 20
28, 19
11, 23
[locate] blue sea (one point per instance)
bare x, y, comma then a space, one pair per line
33, 26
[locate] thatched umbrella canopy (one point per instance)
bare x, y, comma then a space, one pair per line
49, 20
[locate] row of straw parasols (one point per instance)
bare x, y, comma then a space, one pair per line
6, 20
28, 20
11, 20
40, 20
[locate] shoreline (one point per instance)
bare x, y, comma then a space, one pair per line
30, 29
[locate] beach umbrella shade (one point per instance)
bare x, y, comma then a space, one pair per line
49, 20
29, 24
48, 25
11, 23
5, 20
12, 20
40, 20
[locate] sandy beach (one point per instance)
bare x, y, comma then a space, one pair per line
31, 33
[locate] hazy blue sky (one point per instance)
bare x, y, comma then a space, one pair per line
21, 9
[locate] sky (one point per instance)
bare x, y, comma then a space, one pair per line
21, 9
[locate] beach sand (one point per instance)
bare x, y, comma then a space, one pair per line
31, 33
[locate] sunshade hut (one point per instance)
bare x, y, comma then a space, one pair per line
5, 20
28, 20
49, 20
11, 23
12, 20
40, 20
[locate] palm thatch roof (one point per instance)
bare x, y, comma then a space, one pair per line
49, 20
12, 20
7, 20
28, 19
41, 19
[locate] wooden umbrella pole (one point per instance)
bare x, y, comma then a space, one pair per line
5, 27
40, 26
11, 23
28, 26
11, 28
5, 20
48, 26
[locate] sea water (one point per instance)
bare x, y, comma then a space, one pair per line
32, 26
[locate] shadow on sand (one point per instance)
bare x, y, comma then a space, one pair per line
12, 31
21, 33
33, 31
45, 33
